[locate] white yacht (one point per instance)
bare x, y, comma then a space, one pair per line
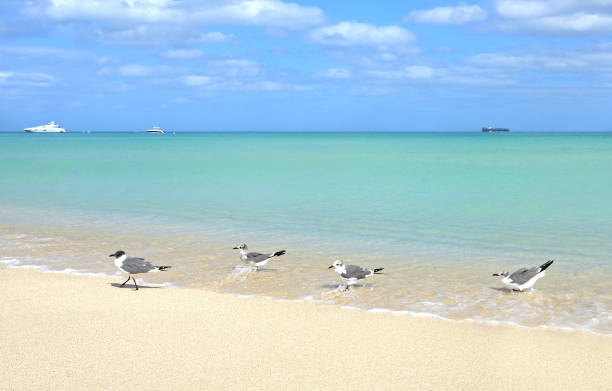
51, 127
155, 129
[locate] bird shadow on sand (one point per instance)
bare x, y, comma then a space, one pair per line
267, 270
131, 286
336, 286
505, 290
330, 286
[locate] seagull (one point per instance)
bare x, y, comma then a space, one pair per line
523, 278
130, 265
352, 273
256, 259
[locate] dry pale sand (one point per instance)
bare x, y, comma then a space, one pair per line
65, 332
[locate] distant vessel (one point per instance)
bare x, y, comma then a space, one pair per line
155, 129
51, 127
492, 129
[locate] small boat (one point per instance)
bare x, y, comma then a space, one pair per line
492, 129
155, 129
51, 127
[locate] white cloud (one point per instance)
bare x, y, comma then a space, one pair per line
223, 83
409, 72
160, 22
126, 10
236, 74
151, 73
335, 73
143, 34
599, 61
26, 79
525, 8
103, 60
442, 75
576, 23
475, 77
273, 13
213, 37
4, 76
419, 72
361, 34
184, 54
149, 34
591, 65
448, 15
105, 71
556, 16
135, 70
234, 68
197, 80
267, 85
45, 51
242, 12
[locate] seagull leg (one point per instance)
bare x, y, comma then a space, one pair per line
136, 285
126, 280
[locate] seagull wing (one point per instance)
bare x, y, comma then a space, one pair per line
137, 265
257, 257
523, 275
353, 271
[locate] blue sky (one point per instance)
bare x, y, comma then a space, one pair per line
272, 65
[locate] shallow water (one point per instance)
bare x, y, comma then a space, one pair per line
440, 212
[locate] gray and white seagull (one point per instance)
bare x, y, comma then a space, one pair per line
523, 278
131, 265
256, 259
351, 273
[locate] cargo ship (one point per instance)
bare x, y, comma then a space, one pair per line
492, 129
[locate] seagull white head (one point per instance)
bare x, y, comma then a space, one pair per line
242, 247
501, 274
337, 264
118, 254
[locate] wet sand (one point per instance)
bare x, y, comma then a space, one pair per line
61, 331
463, 290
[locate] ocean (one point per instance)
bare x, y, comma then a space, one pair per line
440, 212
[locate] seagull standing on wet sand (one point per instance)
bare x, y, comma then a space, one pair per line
523, 278
130, 266
256, 259
352, 273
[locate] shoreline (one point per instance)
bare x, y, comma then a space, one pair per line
436, 287
76, 273
78, 333
15, 264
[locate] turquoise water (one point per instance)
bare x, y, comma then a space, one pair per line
462, 202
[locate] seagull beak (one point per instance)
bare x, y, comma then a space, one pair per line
112, 255
330, 266
235, 248
495, 275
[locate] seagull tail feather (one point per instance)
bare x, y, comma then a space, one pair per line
377, 271
162, 268
544, 266
279, 253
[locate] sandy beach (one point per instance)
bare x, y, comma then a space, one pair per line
62, 331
